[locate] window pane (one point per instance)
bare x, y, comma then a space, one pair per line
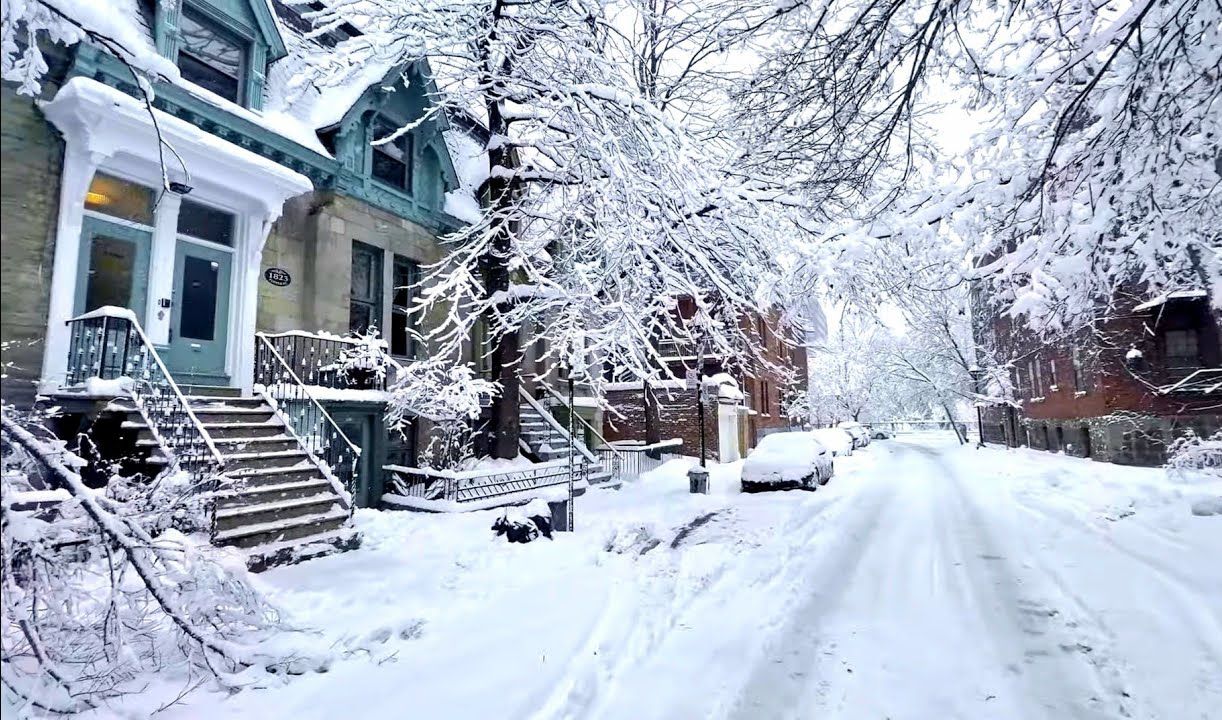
360, 317
111, 265
205, 223
199, 284
365, 309
387, 169
400, 344
209, 57
120, 198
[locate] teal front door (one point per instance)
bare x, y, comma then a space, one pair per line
114, 266
199, 320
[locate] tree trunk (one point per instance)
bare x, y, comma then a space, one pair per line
653, 429
506, 353
954, 425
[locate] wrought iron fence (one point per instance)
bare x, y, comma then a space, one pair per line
472, 485
108, 344
331, 362
329, 447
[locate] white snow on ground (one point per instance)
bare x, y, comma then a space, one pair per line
927, 581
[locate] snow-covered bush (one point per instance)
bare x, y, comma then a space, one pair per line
364, 359
1196, 456
99, 590
450, 396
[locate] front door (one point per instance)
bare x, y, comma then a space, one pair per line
199, 320
114, 266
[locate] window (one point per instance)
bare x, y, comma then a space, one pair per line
365, 301
210, 57
392, 161
1079, 371
1181, 348
205, 223
406, 278
1037, 380
120, 198
480, 349
1052, 375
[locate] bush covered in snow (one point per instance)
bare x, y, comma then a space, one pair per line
99, 590
1193, 455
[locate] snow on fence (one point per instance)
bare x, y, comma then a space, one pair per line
628, 460
458, 490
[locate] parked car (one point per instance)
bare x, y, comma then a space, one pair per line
838, 440
787, 461
861, 438
880, 434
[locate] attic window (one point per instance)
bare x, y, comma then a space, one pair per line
211, 58
392, 161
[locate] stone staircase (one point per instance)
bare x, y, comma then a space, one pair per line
280, 506
545, 438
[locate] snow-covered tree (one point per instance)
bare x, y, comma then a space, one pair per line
1096, 165
608, 196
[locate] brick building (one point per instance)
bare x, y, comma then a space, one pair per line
1119, 391
742, 405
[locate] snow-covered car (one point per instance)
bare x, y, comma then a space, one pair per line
787, 461
838, 440
880, 434
861, 437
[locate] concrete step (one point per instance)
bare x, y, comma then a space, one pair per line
198, 402
260, 460
271, 443
242, 495
237, 516
211, 390
226, 415
289, 552
250, 536
272, 476
223, 431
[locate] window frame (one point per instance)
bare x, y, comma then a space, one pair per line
1194, 360
408, 149
375, 300
411, 322
244, 45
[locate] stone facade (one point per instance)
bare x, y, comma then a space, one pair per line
30, 157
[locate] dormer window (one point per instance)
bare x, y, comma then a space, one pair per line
392, 161
211, 57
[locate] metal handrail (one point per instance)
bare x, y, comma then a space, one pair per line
597, 435
305, 391
113, 313
1185, 381
547, 417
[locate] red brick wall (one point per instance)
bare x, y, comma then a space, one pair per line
677, 416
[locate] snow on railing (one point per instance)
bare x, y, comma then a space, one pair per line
416, 487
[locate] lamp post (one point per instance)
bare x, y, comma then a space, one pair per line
976, 373
698, 477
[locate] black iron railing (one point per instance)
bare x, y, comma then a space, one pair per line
330, 449
108, 353
472, 485
330, 361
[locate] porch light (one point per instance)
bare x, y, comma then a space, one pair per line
97, 198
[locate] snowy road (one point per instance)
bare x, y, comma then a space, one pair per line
927, 582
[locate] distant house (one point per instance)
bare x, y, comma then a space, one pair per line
1120, 391
742, 404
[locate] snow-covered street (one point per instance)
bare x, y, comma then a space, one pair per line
927, 580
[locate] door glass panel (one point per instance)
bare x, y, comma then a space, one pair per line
205, 223
199, 286
112, 265
120, 198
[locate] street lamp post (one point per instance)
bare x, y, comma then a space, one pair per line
698, 477
976, 373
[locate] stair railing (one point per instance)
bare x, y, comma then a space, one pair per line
328, 447
608, 456
108, 344
554, 427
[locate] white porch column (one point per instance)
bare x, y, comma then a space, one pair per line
161, 268
78, 169
727, 432
250, 259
